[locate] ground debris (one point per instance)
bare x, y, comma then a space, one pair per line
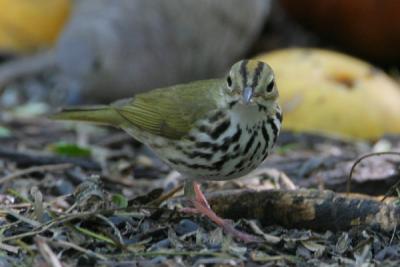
114, 214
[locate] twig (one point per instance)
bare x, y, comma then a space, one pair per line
94, 235
61, 219
177, 253
29, 159
22, 218
64, 219
16, 206
29, 204
78, 248
271, 239
391, 190
393, 234
166, 196
267, 258
18, 195
42, 168
45, 226
112, 225
27, 249
9, 248
9, 225
47, 253
38, 203
361, 159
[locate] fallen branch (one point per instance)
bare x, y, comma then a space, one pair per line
318, 210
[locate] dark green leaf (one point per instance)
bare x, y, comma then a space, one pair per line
70, 150
120, 200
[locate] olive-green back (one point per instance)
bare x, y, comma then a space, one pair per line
172, 111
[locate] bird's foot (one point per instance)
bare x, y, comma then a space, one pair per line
201, 206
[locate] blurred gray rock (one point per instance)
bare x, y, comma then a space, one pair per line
112, 49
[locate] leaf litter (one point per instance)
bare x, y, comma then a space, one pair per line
66, 213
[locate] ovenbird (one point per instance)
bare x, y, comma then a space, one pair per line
216, 129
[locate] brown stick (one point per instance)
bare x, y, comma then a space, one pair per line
318, 210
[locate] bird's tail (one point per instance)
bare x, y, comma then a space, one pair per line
95, 114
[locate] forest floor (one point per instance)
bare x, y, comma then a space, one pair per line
92, 195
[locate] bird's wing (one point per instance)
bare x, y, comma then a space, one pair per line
170, 112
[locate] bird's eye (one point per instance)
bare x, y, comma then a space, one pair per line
270, 86
229, 81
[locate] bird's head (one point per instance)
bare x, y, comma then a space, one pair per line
251, 82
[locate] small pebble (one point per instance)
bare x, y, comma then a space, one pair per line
186, 226
62, 187
157, 261
388, 253
162, 244
46, 217
117, 220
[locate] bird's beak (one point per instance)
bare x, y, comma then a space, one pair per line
247, 95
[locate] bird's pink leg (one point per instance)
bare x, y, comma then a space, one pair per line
201, 206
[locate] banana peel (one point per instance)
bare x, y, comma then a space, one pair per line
331, 93
28, 25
